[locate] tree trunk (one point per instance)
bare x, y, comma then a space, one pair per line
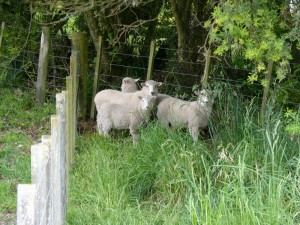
266, 90
182, 13
93, 26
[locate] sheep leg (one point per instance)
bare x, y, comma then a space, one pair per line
99, 126
106, 131
135, 134
104, 128
194, 133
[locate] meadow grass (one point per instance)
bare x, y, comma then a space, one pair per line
244, 172
21, 125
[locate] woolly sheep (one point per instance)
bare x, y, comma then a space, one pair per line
194, 115
115, 116
149, 87
129, 84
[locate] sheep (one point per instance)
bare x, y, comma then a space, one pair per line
115, 116
149, 87
129, 84
194, 115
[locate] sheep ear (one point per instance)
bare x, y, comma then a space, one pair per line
197, 92
143, 84
136, 80
159, 84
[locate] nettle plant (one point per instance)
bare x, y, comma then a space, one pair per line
256, 31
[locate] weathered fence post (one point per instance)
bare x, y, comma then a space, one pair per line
46, 140
58, 164
79, 43
26, 204
266, 90
206, 68
67, 136
70, 122
43, 66
40, 177
96, 77
74, 71
1, 34
151, 60
55, 171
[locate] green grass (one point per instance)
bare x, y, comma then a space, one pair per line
244, 173
21, 125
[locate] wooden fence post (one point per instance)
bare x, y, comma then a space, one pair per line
1, 34
151, 60
74, 71
266, 90
40, 177
206, 69
26, 204
43, 66
79, 43
96, 76
70, 122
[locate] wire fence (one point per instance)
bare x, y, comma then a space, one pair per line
125, 59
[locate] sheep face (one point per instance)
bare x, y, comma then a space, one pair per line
204, 96
151, 87
129, 84
146, 102
129, 80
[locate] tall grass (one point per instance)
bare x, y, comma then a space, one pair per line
244, 172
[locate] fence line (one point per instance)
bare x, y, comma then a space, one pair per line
45, 200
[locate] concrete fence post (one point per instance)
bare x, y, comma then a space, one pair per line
26, 204
40, 177
59, 157
46, 140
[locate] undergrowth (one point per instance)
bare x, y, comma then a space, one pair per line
242, 172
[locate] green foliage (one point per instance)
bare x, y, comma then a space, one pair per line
293, 122
254, 30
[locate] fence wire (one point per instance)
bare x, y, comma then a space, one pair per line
178, 76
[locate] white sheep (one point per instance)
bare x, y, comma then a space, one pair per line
115, 116
129, 84
149, 87
194, 115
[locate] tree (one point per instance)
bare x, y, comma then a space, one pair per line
255, 30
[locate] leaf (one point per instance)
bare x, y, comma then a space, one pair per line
261, 66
